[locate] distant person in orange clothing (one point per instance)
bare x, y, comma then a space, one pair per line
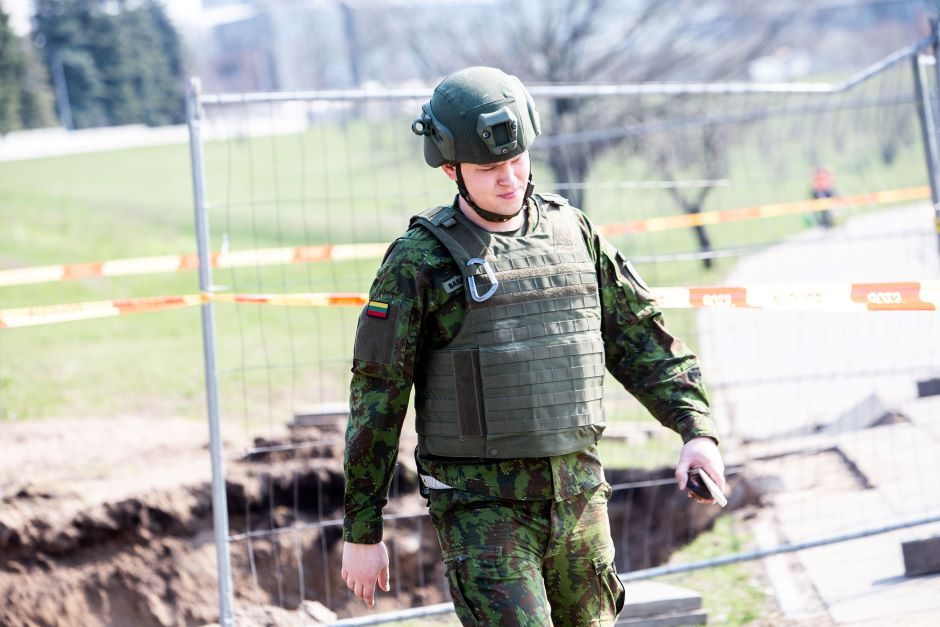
823, 188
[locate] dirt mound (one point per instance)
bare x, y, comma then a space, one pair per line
109, 522
97, 516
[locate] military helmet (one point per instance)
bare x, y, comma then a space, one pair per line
477, 115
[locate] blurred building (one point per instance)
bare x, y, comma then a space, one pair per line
262, 45
249, 45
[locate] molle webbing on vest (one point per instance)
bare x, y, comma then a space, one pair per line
506, 307
524, 375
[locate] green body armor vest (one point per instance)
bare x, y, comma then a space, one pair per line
524, 375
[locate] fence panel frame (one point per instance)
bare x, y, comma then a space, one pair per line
195, 103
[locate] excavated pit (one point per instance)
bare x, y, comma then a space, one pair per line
134, 545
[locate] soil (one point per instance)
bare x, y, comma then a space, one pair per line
108, 522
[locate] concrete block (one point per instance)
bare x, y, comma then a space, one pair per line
928, 387
921, 557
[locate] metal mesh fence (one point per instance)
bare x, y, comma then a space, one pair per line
828, 416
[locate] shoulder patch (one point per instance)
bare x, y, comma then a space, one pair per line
384, 338
377, 309
452, 284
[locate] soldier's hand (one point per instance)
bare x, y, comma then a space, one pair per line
364, 565
701, 453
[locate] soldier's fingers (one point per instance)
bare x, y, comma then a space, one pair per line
368, 594
682, 470
384, 579
682, 475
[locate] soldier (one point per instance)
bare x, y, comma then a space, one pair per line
503, 309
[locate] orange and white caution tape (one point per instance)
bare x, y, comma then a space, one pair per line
900, 296
345, 252
176, 263
295, 300
771, 210
49, 314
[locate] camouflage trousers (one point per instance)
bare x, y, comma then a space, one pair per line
529, 562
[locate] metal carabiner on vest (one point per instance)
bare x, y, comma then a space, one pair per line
471, 280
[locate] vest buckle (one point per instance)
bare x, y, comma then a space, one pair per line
471, 280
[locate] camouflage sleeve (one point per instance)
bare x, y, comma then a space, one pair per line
387, 345
653, 365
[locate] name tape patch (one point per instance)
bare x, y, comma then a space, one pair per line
377, 309
453, 284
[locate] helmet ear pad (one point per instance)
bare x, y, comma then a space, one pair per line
438, 140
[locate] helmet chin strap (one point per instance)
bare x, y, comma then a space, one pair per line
489, 216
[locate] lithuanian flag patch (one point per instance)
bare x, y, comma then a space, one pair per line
377, 309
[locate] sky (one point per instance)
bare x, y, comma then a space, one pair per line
20, 11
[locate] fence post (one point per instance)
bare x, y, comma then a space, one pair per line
928, 127
219, 500
935, 33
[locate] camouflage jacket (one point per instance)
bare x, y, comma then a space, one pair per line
420, 306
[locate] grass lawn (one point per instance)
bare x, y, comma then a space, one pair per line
335, 183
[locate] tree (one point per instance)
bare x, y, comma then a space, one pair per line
610, 41
11, 64
163, 102
112, 62
25, 100
149, 82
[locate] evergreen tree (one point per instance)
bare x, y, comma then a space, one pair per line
112, 61
11, 65
63, 30
37, 105
25, 99
167, 103
154, 59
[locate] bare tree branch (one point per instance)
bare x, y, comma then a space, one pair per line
583, 41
